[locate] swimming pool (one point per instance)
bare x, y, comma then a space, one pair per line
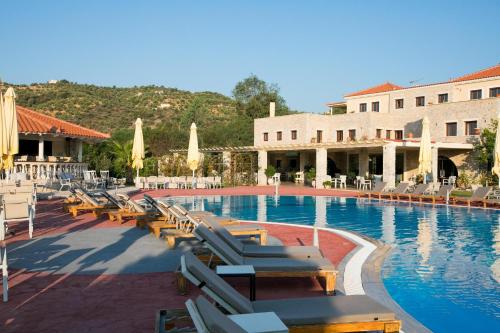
445, 266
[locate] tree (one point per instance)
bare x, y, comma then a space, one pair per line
485, 146
253, 96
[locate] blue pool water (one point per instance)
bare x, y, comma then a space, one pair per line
445, 266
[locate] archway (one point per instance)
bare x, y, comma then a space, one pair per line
446, 167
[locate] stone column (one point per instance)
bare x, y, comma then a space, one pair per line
41, 146
321, 166
80, 150
389, 157
226, 164
262, 161
302, 160
434, 164
363, 162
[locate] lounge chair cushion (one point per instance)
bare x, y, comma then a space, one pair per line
252, 250
214, 319
325, 310
289, 264
215, 283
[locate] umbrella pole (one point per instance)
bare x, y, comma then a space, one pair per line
192, 181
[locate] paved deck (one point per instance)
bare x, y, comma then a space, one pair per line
92, 275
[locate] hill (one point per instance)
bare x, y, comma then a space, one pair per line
110, 108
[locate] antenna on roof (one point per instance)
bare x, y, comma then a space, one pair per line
412, 83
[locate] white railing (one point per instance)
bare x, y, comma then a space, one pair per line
49, 170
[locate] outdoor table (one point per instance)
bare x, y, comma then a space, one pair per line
239, 271
261, 322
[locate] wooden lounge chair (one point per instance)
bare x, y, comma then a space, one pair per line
478, 197
270, 267
357, 313
440, 196
89, 203
420, 189
127, 208
400, 189
262, 251
376, 192
185, 229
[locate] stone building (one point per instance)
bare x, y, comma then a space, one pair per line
379, 133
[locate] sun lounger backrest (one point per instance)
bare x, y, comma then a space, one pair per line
225, 235
112, 199
481, 193
379, 187
214, 319
421, 188
87, 198
215, 286
218, 246
132, 204
16, 207
402, 188
443, 190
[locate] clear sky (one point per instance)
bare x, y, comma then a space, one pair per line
316, 51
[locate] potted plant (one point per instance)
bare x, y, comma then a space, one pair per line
327, 184
270, 171
311, 176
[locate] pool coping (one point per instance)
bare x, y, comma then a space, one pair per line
363, 267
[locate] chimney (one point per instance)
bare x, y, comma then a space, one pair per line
272, 109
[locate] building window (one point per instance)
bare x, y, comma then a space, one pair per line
388, 134
266, 136
375, 106
442, 98
420, 101
399, 103
398, 135
476, 94
451, 129
319, 136
294, 135
352, 134
378, 133
340, 136
362, 107
279, 135
470, 127
495, 92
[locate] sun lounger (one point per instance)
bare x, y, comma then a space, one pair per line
89, 203
440, 196
185, 230
420, 189
126, 208
270, 267
400, 189
376, 192
358, 313
478, 197
261, 251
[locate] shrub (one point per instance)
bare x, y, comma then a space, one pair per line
311, 174
270, 171
327, 183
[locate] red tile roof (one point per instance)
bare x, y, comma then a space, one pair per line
483, 74
31, 122
377, 89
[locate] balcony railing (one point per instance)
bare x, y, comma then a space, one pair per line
49, 169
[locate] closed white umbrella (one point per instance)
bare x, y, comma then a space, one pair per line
425, 154
138, 148
193, 156
10, 140
3, 134
496, 153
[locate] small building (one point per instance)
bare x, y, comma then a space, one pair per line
48, 145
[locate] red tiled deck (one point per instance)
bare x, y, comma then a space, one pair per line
43, 302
